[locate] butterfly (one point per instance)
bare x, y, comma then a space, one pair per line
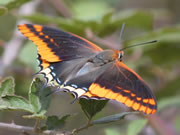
87, 71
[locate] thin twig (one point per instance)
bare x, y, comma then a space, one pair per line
77, 130
30, 130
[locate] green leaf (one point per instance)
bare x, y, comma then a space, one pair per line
3, 10
53, 122
136, 126
38, 99
169, 102
112, 131
7, 87
15, 103
34, 96
8, 99
91, 106
112, 118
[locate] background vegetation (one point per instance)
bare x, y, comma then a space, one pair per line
99, 21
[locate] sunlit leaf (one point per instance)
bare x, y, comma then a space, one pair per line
136, 126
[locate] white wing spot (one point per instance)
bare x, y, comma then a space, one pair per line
73, 85
54, 74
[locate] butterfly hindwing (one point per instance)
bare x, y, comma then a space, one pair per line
88, 74
122, 84
63, 71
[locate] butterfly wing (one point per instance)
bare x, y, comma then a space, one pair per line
58, 50
79, 85
122, 84
56, 45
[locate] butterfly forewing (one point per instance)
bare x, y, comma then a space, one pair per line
56, 46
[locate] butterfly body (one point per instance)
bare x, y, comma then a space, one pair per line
87, 71
106, 56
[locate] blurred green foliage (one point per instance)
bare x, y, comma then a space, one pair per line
136, 126
28, 56
11, 4
111, 131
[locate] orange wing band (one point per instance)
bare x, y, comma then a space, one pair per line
143, 105
44, 50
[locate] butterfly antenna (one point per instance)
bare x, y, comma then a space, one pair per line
144, 43
121, 32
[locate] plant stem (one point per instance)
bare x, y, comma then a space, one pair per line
36, 129
30, 130
89, 124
